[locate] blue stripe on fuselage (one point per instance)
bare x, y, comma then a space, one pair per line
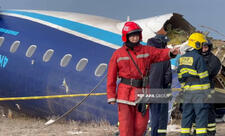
7, 31
75, 26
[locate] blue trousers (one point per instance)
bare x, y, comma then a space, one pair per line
158, 118
196, 111
211, 128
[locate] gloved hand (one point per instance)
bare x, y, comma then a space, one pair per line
142, 108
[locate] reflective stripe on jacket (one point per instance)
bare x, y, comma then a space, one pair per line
192, 65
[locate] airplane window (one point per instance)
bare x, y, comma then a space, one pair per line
1, 40
100, 69
14, 46
81, 64
65, 60
31, 50
48, 54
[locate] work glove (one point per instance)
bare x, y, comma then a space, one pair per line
142, 107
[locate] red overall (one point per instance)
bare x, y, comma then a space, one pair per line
132, 123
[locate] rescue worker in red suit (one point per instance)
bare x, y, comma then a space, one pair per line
131, 121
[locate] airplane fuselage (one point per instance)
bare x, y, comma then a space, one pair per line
23, 76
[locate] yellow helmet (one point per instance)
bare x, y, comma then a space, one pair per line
196, 40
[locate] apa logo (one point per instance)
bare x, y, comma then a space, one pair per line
3, 61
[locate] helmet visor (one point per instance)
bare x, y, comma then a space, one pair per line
135, 31
206, 44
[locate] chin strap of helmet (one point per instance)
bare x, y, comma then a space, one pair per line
131, 45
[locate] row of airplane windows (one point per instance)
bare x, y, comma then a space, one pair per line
99, 71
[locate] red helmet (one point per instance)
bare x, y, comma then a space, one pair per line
130, 27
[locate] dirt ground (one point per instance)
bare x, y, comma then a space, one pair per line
21, 125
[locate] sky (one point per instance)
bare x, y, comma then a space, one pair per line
198, 12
